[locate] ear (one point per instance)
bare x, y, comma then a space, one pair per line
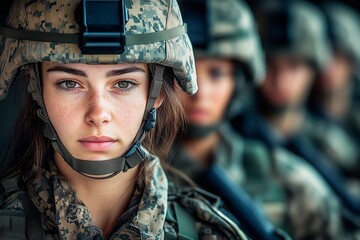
159, 101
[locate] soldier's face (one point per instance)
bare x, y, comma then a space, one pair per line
287, 81
337, 75
216, 86
95, 109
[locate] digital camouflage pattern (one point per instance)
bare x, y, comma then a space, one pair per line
333, 141
232, 34
343, 27
307, 38
59, 16
338, 145
290, 192
64, 216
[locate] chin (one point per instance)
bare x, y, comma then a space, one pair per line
98, 157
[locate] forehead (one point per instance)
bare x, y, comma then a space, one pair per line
221, 62
286, 60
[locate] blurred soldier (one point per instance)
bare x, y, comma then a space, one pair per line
332, 99
229, 57
296, 51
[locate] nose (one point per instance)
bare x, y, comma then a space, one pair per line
98, 112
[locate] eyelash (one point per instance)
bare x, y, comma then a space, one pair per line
62, 84
132, 84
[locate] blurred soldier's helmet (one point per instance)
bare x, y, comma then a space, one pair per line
294, 28
97, 32
225, 29
343, 29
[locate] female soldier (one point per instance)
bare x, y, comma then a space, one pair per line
225, 60
97, 80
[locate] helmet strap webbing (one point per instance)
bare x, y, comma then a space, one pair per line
105, 168
195, 131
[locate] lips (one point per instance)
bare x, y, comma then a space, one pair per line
198, 115
97, 144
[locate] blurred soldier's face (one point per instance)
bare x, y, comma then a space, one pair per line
287, 81
337, 75
216, 86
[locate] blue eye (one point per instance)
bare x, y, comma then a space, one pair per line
123, 84
68, 84
216, 73
126, 85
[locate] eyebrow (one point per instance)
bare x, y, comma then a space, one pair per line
124, 71
69, 70
81, 73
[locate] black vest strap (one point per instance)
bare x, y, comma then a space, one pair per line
15, 224
185, 222
34, 229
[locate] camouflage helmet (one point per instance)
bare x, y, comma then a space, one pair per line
225, 29
74, 31
154, 33
294, 28
343, 28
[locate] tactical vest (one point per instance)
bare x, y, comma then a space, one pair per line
27, 225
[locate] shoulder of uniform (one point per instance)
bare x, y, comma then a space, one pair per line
12, 216
295, 170
255, 147
315, 126
200, 210
256, 153
11, 202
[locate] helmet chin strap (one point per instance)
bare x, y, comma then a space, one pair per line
107, 168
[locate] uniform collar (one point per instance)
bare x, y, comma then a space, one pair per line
65, 214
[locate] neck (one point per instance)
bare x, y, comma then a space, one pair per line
287, 123
106, 199
201, 149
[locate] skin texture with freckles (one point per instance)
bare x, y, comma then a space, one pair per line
88, 103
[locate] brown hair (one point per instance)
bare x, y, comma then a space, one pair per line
31, 147
171, 118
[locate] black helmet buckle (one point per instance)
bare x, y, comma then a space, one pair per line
102, 26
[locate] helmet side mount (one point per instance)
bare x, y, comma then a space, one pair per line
197, 17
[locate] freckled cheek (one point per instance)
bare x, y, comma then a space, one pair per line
64, 117
129, 118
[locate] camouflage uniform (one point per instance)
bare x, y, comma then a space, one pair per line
64, 216
300, 35
252, 125
272, 176
338, 146
275, 180
338, 137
